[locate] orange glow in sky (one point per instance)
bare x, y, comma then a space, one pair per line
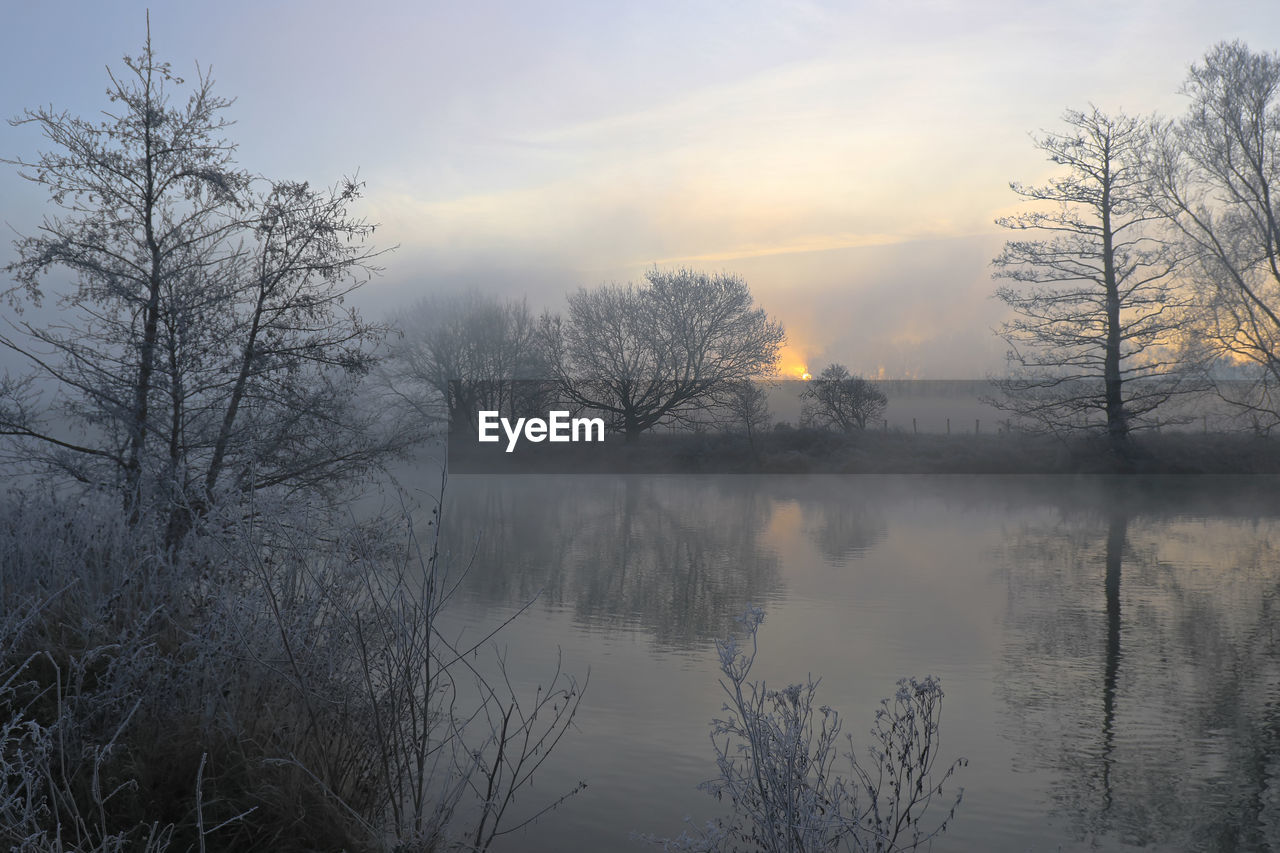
792, 363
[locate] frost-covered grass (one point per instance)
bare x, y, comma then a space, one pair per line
273, 685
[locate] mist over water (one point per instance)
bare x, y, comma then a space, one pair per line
1105, 644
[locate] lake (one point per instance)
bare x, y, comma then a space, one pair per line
1107, 646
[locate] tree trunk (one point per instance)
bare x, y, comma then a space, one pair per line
1117, 423
150, 325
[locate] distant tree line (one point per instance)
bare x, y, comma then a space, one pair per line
1147, 269
679, 347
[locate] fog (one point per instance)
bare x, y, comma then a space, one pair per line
847, 163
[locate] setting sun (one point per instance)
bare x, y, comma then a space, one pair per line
792, 363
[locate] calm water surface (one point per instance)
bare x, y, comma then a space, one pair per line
1108, 647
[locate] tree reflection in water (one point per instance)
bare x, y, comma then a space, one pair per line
1142, 666
845, 524
679, 557
677, 562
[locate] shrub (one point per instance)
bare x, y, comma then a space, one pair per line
778, 752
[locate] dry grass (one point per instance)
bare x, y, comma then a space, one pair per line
272, 686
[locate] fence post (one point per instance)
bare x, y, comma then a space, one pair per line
914, 431
948, 426
976, 423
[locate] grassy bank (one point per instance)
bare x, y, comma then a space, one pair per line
278, 683
804, 451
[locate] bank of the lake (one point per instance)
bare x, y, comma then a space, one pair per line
886, 451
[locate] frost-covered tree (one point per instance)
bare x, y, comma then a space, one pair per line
1216, 177
202, 346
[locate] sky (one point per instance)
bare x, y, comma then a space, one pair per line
847, 159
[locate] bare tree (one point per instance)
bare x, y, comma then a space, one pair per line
644, 355
1216, 177
838, 400
1095, 340
459, 353
204, 346
746, 407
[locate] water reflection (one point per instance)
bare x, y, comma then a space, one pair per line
677, 556
1142, 670
1117, 527
844, 523
678, 561
1109, 645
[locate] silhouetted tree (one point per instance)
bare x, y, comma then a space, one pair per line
837, 400
1094, 341
644, 355
203, 346
1216, 177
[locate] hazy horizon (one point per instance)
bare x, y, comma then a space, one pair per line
847, 163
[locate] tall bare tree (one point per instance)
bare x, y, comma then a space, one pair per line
1094, 343
203, 346
654, 353
1216, 177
